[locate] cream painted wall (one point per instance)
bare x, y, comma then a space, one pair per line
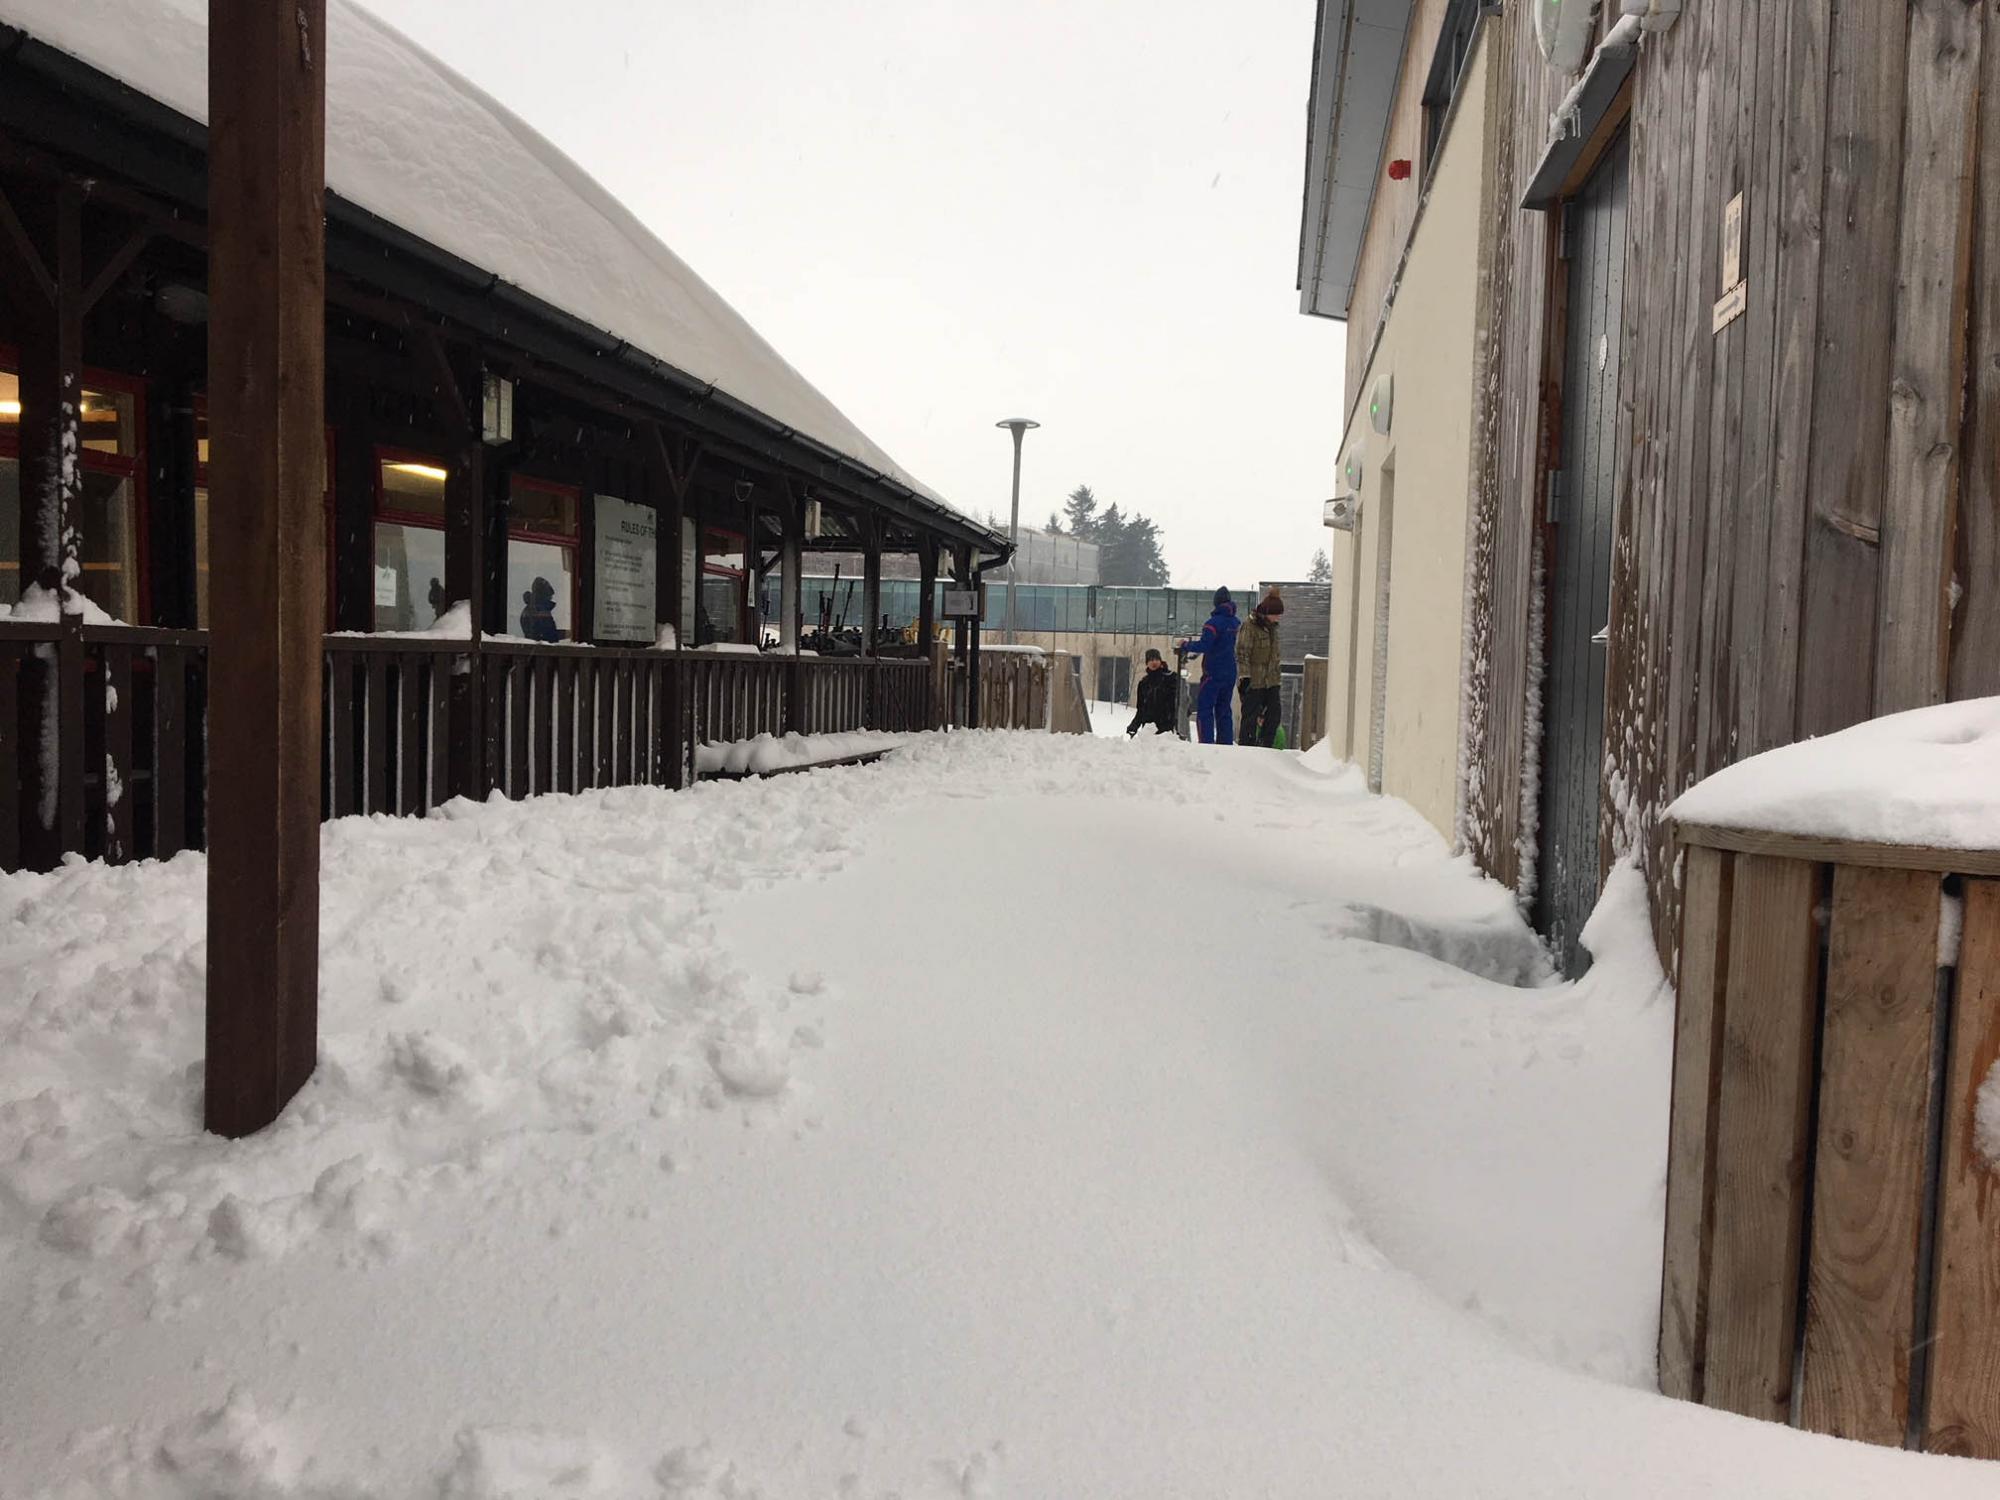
1428, 345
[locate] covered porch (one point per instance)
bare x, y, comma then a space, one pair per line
546, 549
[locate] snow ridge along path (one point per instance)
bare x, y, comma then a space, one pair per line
1023, 1115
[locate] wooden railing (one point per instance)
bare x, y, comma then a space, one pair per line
902, 696
737, 697
1312, 704
100, 750
412, 721
833, 695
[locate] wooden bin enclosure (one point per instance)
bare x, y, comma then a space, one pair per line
1832, 1253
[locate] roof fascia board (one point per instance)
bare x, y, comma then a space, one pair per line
1358, 61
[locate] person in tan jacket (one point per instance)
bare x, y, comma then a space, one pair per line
1263, 695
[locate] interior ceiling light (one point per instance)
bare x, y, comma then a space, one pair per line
422, 471
10, 408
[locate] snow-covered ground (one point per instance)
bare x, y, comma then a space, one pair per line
1023, 1115
1109, 719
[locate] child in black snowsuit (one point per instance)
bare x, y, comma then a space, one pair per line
1158, 698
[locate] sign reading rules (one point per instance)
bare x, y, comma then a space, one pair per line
627, 556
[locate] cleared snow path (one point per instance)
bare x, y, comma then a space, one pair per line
1023, 1115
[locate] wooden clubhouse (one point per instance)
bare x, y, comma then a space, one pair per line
555, 464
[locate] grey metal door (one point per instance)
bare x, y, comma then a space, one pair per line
1582, 504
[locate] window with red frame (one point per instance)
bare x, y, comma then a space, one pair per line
409, 540
719, 612
542, 576
111, 512
409, 569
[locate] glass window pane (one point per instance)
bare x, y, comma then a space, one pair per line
106, 420
719, 611
108, 545
409, 576
413, 487
542, 576
10, 531
545, 509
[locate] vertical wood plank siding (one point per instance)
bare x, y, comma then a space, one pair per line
1809, 501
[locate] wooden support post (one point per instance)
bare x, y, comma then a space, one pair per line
871, 611
466, 544
45, 259
790, 567
927, 567
51, 386
972, 679
267, 331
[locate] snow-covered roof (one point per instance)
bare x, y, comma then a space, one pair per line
1929, 778
413, 142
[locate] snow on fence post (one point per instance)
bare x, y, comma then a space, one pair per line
267, 373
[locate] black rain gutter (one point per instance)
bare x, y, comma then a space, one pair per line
166, 152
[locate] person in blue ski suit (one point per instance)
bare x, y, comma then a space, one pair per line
1215, 720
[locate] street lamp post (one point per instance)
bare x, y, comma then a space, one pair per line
1017, 426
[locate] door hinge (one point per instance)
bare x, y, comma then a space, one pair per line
1553, 511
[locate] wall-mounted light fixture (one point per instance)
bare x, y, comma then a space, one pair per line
496, 408
1382, 405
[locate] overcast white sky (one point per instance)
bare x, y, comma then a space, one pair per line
1081, 211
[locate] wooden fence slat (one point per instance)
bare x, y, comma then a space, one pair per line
69, 731
169, 752
1690, 1159
544, 728
437, 728
607, 691
586, 725
519, 694
1761, 1137
1931, 289
340, 718
11, 741
120, 785
1874, 1131
377, 779
626, 736
409, 734
1964, 1414
565, 712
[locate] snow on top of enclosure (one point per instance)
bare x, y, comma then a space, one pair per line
416, 143
1929, 778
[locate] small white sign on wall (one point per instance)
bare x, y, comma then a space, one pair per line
385, 588
961, 603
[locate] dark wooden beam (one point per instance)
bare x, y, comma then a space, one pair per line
119, 263
266, 412
25, 251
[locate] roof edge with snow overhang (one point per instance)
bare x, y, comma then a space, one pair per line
455, 177
1357, 56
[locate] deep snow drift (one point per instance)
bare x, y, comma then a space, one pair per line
1022, 1115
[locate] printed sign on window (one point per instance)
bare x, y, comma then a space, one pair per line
385, 588
626, 556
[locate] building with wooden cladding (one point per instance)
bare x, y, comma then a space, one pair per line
543, 433
1735, 400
